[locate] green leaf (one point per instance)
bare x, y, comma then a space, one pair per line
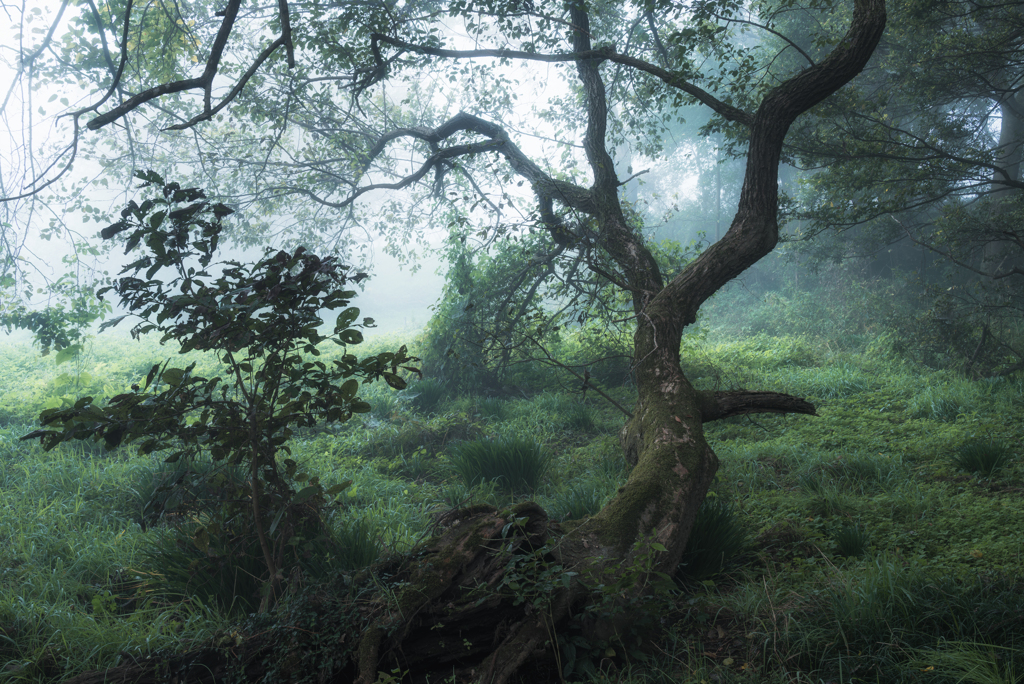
334, 490
659, 547
351, 336
305, 494
349, 389
345, 318
277, 519
202, 539
68, 353
173, 376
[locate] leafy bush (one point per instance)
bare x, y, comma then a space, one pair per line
982, 456
516, 463
851, 541
716, 539
258, 319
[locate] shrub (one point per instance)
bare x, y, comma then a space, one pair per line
716, 539
982, 456
516, 463
258, 320
851, 541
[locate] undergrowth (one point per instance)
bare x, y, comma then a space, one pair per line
877, 541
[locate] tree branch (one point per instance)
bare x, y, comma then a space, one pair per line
116, 75
949, 255
769, 30
754, 231
718, 405
544, 186
205, 82
672, 79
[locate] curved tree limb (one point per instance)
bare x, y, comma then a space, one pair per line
754, 231
546, 188
718, 405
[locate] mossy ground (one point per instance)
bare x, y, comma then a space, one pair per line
879, 457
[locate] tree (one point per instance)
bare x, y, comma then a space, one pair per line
930, 140
459, 585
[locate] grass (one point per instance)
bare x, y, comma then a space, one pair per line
851, 541
427, 394
863, 551
982, 456
516, 463
578, 501
717, 538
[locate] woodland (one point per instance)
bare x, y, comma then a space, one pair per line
724, 384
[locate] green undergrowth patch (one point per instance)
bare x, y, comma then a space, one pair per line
886, 541
868, 547
72, 595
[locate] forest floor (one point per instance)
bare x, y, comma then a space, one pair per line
869, 549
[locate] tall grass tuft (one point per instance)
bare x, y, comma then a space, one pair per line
873, 617
578, 501
982, 456
354, 545
492, 407
185, 487
427, 394
580, 418
716, 539
230, 573
176, 568
851, 541
384, 404
516, 463
972, 662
